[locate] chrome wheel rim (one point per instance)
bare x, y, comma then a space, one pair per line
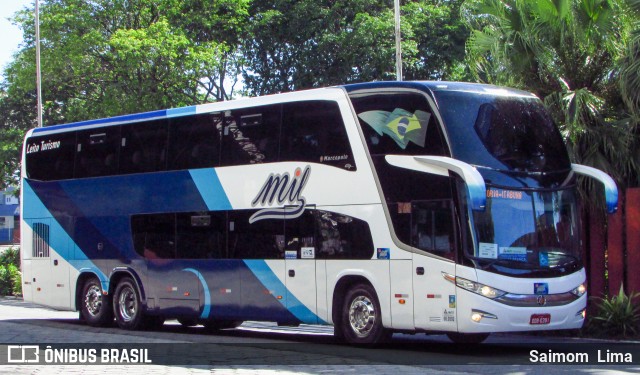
362, 316
93, 300
128, 304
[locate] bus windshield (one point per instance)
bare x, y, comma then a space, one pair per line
508, 133
528, 233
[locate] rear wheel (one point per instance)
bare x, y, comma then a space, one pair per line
127, 306
95, 307
361, 320
467, 338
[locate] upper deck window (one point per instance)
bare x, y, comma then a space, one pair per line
502, 132
51, 157
398, 123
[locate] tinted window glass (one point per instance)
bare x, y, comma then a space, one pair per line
195, 141
154, 236
300, 236
263, 239
313, 131
201, 235
342, 237
97, 152
251, 136
51, 157
432, 227
143, 147
399, 123
520, 134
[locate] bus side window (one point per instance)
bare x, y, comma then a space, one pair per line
194, 141
432, 227
313, 131
251, 136
263, 239
201, 235
97, 152
51, 157
143, 147
154, 236
300, 235
342, 237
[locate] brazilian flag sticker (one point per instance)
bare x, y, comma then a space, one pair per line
402, 126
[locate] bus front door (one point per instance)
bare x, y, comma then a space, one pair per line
300, 267
434, 273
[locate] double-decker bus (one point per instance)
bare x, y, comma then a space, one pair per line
433, 207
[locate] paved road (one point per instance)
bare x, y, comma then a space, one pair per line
268, 349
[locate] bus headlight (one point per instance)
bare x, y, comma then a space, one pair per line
481, 289
580, 290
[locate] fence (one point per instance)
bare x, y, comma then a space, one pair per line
612, 255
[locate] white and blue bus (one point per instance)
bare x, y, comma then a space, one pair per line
433, 207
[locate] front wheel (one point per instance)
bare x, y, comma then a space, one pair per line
127, 306
361, 319
95, 307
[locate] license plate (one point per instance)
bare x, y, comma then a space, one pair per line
540, 319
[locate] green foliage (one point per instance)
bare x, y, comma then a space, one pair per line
294, 45
617, 315
10, 276
568, 52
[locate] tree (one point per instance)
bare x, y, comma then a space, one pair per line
110, 57
296, 45
565, 51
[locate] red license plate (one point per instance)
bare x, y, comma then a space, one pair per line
540, 319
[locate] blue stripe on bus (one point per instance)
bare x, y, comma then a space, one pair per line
59, 240
106, 121
265, 275
176, 112
207, 294
210, 188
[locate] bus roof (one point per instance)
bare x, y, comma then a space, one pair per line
432, 86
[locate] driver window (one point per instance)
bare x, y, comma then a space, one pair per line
432, 227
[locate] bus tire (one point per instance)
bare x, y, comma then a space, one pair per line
467, 338
361, 320
95, 305
127, 306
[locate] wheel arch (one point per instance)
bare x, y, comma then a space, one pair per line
342, 286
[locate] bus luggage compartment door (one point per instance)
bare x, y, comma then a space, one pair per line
49, 270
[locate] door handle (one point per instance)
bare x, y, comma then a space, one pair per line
292, 273
420, 271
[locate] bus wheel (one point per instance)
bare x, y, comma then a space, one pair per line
467, 338
96, 309
361, 321
127, 306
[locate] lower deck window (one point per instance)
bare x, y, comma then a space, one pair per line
316, 234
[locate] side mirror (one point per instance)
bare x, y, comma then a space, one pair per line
610, 187
442, 165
